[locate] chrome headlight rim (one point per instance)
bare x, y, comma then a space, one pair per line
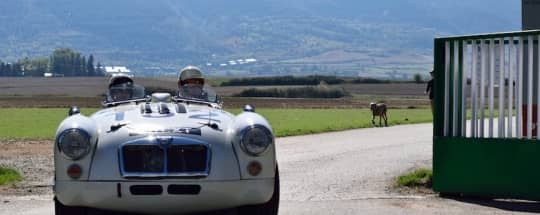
86, 137
243, 142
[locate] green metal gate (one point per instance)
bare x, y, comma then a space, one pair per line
486, 91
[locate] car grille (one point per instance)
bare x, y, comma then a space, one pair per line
140, 158
186, 158
155, 160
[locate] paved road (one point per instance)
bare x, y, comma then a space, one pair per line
347, 172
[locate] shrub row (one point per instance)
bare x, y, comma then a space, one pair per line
297, 92
283, 80
369, 81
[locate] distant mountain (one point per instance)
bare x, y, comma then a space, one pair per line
286, 36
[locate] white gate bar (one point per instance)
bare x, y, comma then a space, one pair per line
511, 72
529, 87
491, 85
501, 88
482, 85
463, 91
519, 88
538, 89
446, 87
455, 89
474, 88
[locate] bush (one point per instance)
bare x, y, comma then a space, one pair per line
417, 78
420, 177
297, 92
8, 176
369, 81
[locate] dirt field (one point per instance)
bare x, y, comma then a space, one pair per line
88, 91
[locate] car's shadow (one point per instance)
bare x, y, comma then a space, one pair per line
220, 212
503, 204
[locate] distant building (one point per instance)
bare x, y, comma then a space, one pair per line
50, 75
116, 70
250, 60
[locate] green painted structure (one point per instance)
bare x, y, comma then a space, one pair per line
470, 158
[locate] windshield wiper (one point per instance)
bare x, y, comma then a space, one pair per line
112, 104
211, 104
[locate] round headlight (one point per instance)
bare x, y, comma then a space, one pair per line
255, 140
74, 143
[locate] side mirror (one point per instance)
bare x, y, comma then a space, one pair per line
249, 108
74, 110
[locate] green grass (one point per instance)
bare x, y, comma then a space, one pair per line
41, 123
418, 178
9, 176
289, 122
32, 123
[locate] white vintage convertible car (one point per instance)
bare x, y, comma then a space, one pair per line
164, 154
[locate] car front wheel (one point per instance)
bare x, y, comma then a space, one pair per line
268, 208
61, 209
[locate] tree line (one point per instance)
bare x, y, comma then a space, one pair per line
307, 80
283, 80
295, 92
62, 62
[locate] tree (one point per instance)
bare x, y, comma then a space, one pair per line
90, 66
82, 66
8, 71
418, 78
2, 72
75, 62
99, 70
66, 61
35, 67
17, 70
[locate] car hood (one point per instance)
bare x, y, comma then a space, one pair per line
127, 122
122, 124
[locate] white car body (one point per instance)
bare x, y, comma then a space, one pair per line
121, 134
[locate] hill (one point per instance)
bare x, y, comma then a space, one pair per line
342, 37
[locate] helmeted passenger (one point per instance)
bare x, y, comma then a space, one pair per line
120, 88
191, 82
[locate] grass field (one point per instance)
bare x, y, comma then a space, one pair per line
289, 122
32, 123
41, 123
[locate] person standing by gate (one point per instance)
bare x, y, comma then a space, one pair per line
429, 90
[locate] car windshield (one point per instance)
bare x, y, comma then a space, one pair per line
198, 92
125, 92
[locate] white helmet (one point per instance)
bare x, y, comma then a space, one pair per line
120, 79
189, 72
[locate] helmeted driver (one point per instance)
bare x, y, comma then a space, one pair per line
191, 82
120, 88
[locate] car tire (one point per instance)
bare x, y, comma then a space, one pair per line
61, 209
269, 208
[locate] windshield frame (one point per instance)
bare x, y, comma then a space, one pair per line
112, 104
217, 104
211, 97
139, 90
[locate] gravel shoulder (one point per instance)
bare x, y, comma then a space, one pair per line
34, 160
